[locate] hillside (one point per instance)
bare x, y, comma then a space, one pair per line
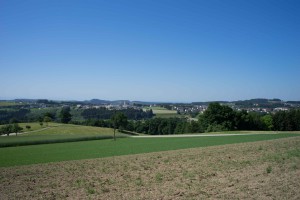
260, 170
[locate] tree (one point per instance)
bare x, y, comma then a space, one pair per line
47, 119
267, 120
119, 121
16, 128
65, 115
10, 128
6, 129
217, 116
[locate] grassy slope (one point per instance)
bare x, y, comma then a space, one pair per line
257, 170
163, 112
69, 129
55, 133
25, 155
8, 103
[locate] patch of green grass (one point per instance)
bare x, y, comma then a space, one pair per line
70, 129
57, 133
9, 103
13, 141
91, 190
139, 181
287, 155
269, 169
168, 115
158, 177
25, 155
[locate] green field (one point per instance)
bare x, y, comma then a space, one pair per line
163, 112
55, 133
25, 155
70, 129
8, 103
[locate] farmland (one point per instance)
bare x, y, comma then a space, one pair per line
34, 154
54, 133
163, 112
256, 170
225, 165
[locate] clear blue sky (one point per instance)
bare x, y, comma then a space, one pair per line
151, 50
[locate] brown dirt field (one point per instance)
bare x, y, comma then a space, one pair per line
257, 170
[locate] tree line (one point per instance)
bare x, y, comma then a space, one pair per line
63, 115
104, 113
219, 117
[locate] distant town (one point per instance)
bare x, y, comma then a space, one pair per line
265, 106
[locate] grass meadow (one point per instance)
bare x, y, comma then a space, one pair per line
163, 112
44, 153
266, 169
56, 133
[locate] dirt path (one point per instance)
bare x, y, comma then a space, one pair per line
192, 135
39, 130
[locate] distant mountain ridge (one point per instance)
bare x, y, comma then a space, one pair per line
258, 101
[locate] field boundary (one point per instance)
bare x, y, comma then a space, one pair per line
192, 135
53, 141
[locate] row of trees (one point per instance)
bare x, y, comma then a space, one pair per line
16, 114
223, 118
219, 118
216, 118
287, 121
64, 115
10, 128
104, 113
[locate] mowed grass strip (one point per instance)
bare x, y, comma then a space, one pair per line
25, 155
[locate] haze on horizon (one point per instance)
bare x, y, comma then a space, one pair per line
150, 50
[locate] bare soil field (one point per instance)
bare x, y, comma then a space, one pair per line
255, 170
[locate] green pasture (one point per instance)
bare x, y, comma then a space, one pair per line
163, 112
26, 155
160, 110
36, 126
70, 129
155, 108
60, 129
8, 103
55, 133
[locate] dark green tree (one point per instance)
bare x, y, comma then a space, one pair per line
6, 129
16, 128
119, 121
47, 119
217, 117
10, 128
65, 115
267, 121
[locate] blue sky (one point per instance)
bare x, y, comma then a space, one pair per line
150, 50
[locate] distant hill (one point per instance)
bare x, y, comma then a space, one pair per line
208, 102
257, 102
97, 101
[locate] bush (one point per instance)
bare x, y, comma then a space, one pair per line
216, 128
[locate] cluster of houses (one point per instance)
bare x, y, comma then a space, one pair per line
180, 108
202, 108
108, 106
189, 109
